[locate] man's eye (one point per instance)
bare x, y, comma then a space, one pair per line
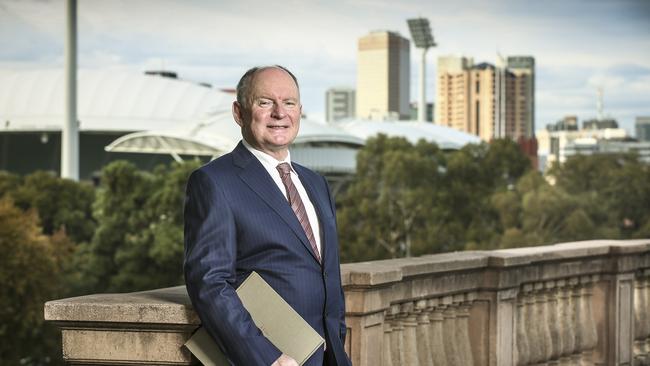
290, 104
264, 103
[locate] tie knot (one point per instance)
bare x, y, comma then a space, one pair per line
284, 169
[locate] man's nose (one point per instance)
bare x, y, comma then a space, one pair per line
279, 111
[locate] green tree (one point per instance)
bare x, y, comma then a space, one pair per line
30, 274
138, 243
60, 203
384, 210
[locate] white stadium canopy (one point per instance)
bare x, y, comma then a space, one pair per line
166, 115
108, 100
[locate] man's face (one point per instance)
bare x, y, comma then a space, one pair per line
273, 119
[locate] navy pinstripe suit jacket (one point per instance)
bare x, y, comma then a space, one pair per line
236, 221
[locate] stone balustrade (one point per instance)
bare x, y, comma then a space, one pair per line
582, 303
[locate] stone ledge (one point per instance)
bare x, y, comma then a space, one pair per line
162, 306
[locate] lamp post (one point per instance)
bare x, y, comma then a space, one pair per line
70, 130
421, 34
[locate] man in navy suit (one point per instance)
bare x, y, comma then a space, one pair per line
246, 211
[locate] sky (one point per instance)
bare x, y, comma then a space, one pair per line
578, 45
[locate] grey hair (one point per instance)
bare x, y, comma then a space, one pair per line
244, 85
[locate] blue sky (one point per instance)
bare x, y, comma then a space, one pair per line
578, 45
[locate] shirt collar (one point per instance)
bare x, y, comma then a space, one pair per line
267, 160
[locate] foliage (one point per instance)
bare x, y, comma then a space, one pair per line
416, 199
138, 243
60, 203
31, 267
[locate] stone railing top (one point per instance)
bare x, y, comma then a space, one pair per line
376, 273
162, 306
171, 306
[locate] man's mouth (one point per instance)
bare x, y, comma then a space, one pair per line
277, 127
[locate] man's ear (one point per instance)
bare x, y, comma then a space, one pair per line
238, 113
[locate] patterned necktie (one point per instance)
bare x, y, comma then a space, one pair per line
297, 206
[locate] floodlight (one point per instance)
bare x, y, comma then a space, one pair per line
421, 32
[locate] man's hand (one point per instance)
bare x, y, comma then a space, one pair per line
285, 360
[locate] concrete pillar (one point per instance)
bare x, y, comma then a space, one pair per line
553, 322
423, 333
543, 322
397, 337
566, 327
640, 314
437, 334
574, 283
535, 351
646, 292
386, 357
621, 319
523, 351
462, 329
449, 332
409, 320
590, 335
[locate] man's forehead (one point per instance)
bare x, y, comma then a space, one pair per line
273, 78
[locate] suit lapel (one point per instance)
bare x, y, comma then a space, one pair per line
257, 178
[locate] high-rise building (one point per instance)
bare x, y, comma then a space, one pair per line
339, 104
642, 126
523, 67
486, 100
383, 75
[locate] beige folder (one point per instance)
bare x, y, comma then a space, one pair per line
277, 320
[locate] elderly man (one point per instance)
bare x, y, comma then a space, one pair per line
255, 210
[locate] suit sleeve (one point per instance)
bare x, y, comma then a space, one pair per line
210, 271
342, 326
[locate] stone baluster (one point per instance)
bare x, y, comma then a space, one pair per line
437, 334
462, 327
449, 332
409, 319
396, 337
574, 283
566, 329
523, 353
553, 322
386, 357
534, 351
640, 313
423, 333
589, 335
646, 292
543, 322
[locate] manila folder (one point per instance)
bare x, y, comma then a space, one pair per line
277, 320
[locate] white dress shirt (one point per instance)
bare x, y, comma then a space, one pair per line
270, 164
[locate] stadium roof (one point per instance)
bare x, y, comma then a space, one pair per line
445, 137
172, 116
108, 100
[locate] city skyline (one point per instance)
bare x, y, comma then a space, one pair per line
578, 45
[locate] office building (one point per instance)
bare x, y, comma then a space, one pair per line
383, 75
642, 126
428, 115
339, 104
486, 100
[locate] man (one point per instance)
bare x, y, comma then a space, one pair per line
247, 211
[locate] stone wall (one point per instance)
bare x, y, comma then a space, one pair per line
582, 303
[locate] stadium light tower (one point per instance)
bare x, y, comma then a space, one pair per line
70, 130
421, 34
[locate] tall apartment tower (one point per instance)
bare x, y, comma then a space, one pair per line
339, 104
523, 67
484, 100
383, 75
